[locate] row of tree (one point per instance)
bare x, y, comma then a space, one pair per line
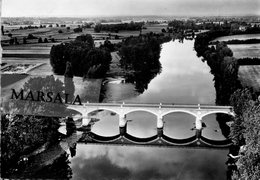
246, 127
132, 26
237, 41
80, 58
15, 41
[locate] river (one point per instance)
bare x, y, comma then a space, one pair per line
184, 79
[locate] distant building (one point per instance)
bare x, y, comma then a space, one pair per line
218, 22
242, 28
255, 24
37, 22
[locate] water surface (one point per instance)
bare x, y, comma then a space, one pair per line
184, 79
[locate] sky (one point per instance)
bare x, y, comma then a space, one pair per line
84, 8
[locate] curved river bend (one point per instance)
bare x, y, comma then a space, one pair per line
184, 79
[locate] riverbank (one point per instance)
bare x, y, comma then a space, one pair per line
232, 90
115, 69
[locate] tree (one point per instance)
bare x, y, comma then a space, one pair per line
98, 28
16, 40
30, 36
2, 30
11, 42
81, 55
141, 55
60, 31
247, 127
10, 35
40, 40
68, 72
45, 40
163, 30
24, 129
24, 40
86, 39
77, 30
109, 45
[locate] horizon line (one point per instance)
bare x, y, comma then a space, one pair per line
100, 16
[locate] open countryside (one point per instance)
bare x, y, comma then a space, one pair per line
163, 97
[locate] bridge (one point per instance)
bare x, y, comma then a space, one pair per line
159, 110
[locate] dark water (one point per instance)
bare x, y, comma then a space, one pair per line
184, 79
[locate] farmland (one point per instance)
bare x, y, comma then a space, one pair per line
250, 76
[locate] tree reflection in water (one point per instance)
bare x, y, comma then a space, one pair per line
142, 79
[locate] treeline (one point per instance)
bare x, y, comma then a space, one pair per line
141, 55
32, 27
237, 41
223, 65
245, 134
246, 127
202, 40
24, 40
182, 25
212, 26
248, 61
80, 58
132, 26
249, 30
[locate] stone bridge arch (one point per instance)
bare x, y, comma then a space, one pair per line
142, 110
181, 111
80, 111
105, 109
215, 112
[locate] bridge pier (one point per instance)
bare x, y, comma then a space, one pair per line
198, 123
160, 122
122, 130
86, 121
198, 133
122, 120
159, 132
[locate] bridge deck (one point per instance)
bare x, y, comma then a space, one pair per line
160, 105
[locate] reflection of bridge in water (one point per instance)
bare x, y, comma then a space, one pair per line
159, 110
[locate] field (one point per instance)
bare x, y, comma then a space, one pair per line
34, 49
245, 50
250, 76
8, 79
33, 52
